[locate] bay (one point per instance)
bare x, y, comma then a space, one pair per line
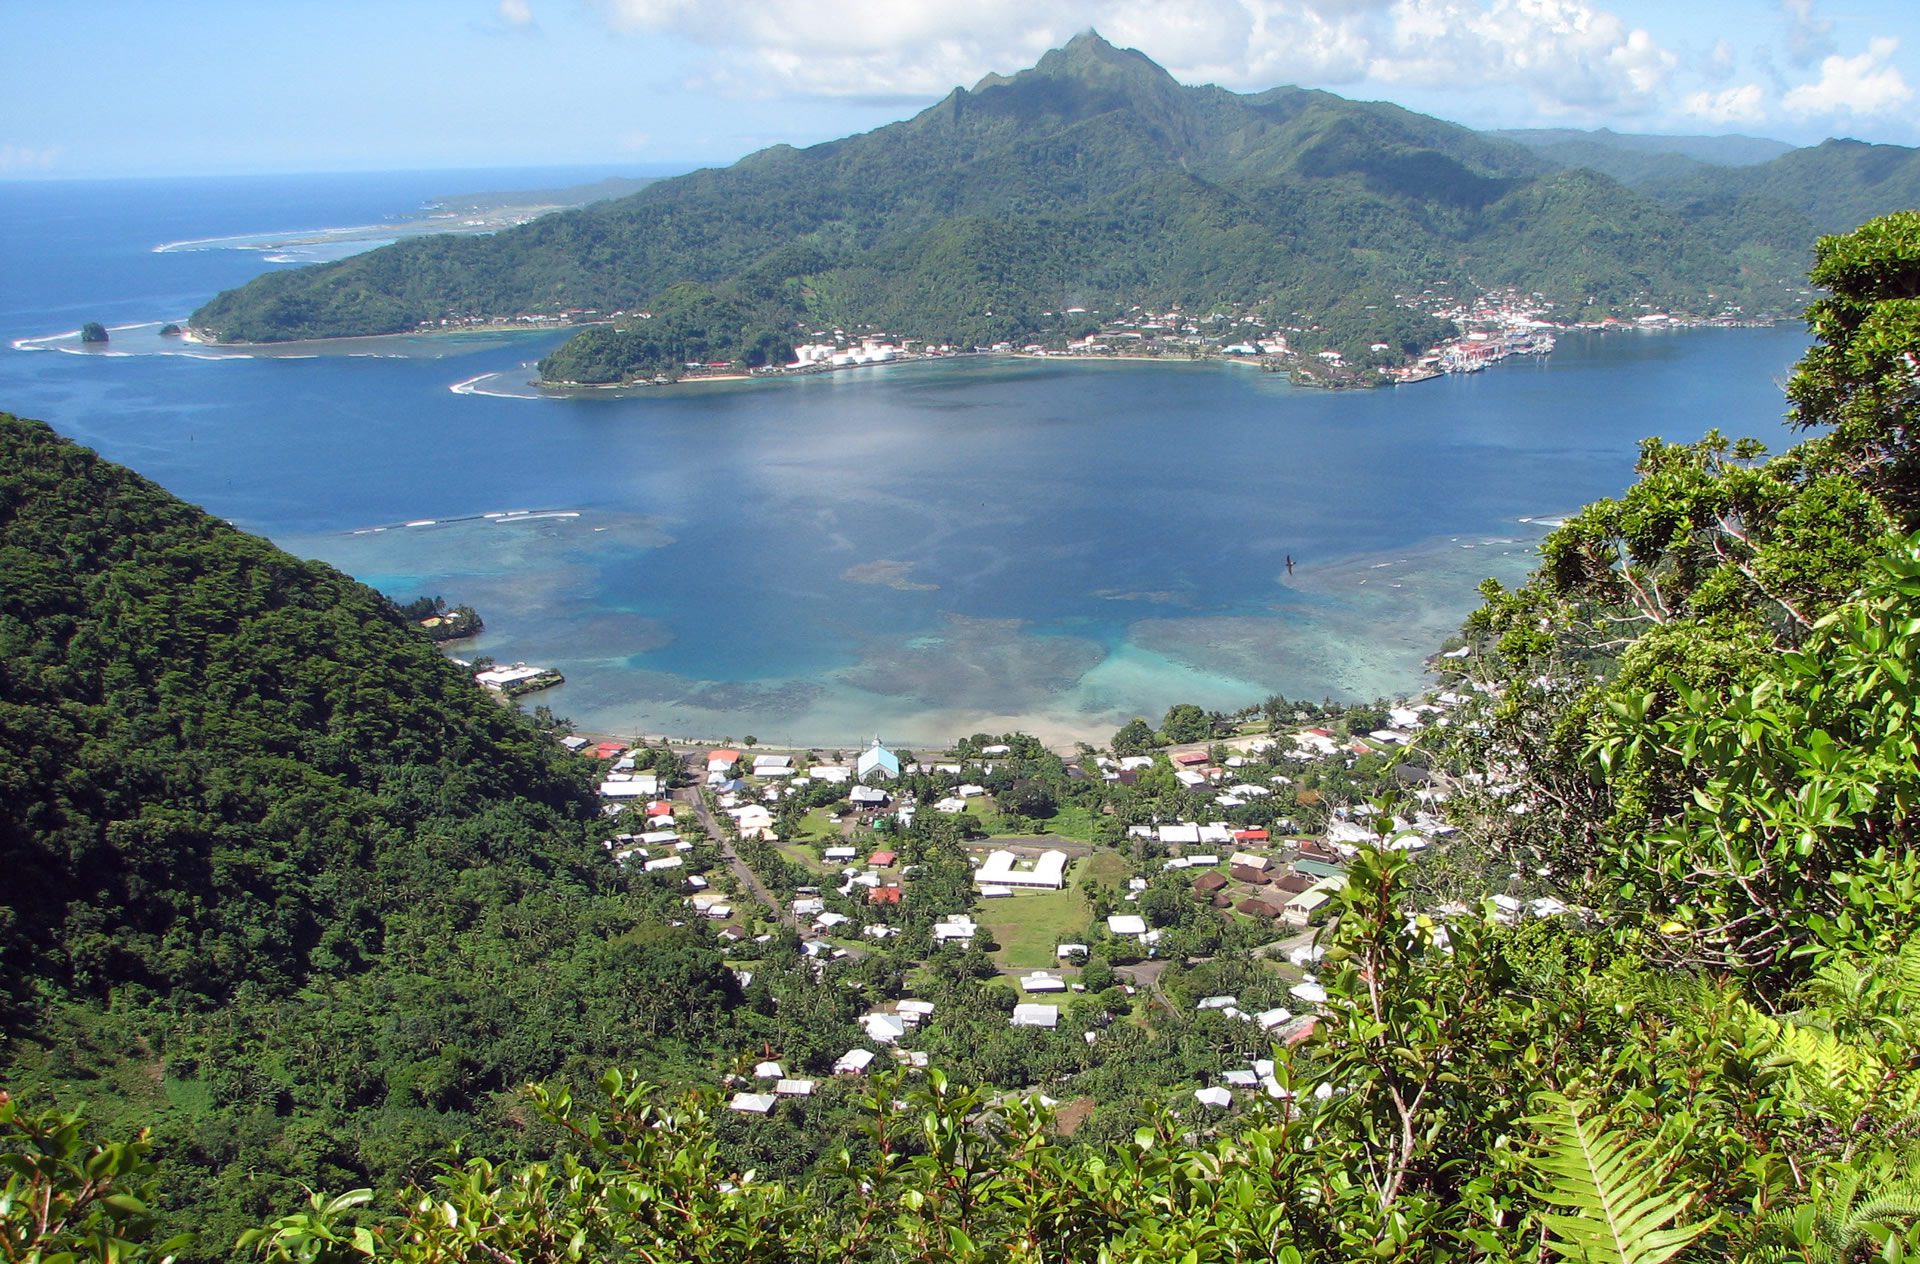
918, 550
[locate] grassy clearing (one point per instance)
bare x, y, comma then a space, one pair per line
818, 826
1071, 821
1030, 925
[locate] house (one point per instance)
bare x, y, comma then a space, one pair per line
722, 760
883, 895
957, 929
575, 743
769, 1071
1299, 909
1208, 883
1249, 860
1188, 834
877, 759
1126, 924
628, 788
1217, 1002
1251, 835
1041, 981
1257, 908
664, 862
884, 1029
1066, 952
1271, 1018
1218, 1098
752, 1103
839, 853
867, 797
1249, 875
1310, 993
1003, 868
794, 1088
912, 1011
1189, 759
1295, 883
773, 765
1033, 1014
854, 1062
881, 859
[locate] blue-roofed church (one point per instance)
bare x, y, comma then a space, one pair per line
877, 758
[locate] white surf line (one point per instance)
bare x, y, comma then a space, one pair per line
265, 241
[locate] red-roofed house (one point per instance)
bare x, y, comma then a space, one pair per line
608, 750
883, 895
726, 757
1251, 836
1187, 759
659, 807
1300, 1035
881, 859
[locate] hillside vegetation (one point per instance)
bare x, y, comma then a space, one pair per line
1091, 181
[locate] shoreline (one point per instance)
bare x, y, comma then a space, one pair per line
190, 335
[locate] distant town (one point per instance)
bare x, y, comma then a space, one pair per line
1492, 325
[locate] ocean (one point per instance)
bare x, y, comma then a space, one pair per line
914, 551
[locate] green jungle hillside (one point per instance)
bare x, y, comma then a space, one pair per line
292, 907
1091, 181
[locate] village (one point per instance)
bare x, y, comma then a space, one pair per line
1489, 326
1187, 884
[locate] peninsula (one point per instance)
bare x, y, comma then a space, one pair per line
1035, 209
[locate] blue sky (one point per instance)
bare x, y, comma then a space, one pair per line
136, 87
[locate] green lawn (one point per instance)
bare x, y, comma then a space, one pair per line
1030, 925
1071, 821
820, 826
804, 855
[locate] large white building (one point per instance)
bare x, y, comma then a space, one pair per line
1004, 869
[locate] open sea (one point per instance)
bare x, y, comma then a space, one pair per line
917, 551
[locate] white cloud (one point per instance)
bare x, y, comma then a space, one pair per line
1563, 54
1809, 38
15, 159
1863, 85
1746, 103
516, 13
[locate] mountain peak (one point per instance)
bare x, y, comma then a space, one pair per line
1089, 56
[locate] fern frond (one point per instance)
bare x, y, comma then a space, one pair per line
1609, 1185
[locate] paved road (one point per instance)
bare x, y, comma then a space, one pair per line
749, 880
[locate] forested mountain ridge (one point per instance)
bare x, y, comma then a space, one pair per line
276, 877
1091, 180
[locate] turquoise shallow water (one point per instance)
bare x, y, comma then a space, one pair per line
917, 550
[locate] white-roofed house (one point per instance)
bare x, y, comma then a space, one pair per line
753, 1103
854, 1062
1034, 1014
884, 1029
